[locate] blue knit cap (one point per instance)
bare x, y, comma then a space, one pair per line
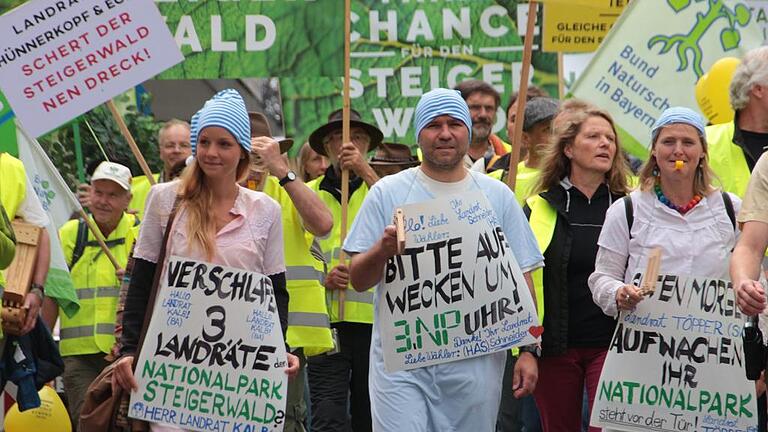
440, 101
226, 109
677, 115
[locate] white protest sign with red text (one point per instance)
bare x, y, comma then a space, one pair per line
59, 59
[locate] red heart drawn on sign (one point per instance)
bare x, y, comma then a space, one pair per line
536, 331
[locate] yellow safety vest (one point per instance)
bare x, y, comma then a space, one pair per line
13, 188
91, 330
543, 219
358, 306
139, 190
308, 322
526, 180
727, 159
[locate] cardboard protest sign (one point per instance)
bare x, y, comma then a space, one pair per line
59, 59
577, 28
213, 357
676, 362
456, 292
640, 69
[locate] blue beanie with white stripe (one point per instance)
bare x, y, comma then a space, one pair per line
441, 101
226, 109
681, 115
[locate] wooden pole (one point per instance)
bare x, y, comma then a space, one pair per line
78, 151
345, 139
560, 75
521, 95
131, 143
100, 238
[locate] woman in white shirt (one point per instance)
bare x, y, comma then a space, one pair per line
676, 209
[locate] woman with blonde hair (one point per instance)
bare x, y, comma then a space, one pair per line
216, 221
310, 164
676, 209
582, 173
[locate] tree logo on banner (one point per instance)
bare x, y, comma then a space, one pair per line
729, 36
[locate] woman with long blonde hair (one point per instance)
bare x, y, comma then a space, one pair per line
216, 221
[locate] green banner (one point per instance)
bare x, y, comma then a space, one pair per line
222, 39
7, 128
402, 49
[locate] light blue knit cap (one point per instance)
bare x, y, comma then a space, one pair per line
226, 109
441, 101
677, 115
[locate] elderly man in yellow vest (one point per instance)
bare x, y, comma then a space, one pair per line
338, 383
173, 144
88, 336
735, 147
19, 200
309, 330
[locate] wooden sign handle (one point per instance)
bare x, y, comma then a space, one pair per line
131, 143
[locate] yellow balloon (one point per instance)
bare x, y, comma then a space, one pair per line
51, 416
712, 91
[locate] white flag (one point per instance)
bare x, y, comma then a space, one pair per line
59, 202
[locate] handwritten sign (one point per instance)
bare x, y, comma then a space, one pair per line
59, 59
676, 362
456, 292
214, 357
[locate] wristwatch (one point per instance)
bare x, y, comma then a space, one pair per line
289, 177
534, 349
37, 290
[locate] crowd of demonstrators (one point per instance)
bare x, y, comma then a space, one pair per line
238, 203
461, 395
582, 174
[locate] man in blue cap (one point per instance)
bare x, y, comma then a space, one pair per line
460, 395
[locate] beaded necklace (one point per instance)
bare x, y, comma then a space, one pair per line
681, 209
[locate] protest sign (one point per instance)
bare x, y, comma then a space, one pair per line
577, 28
59, 59
760, 12
456, 292
676, 362
640, 69
213, 357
